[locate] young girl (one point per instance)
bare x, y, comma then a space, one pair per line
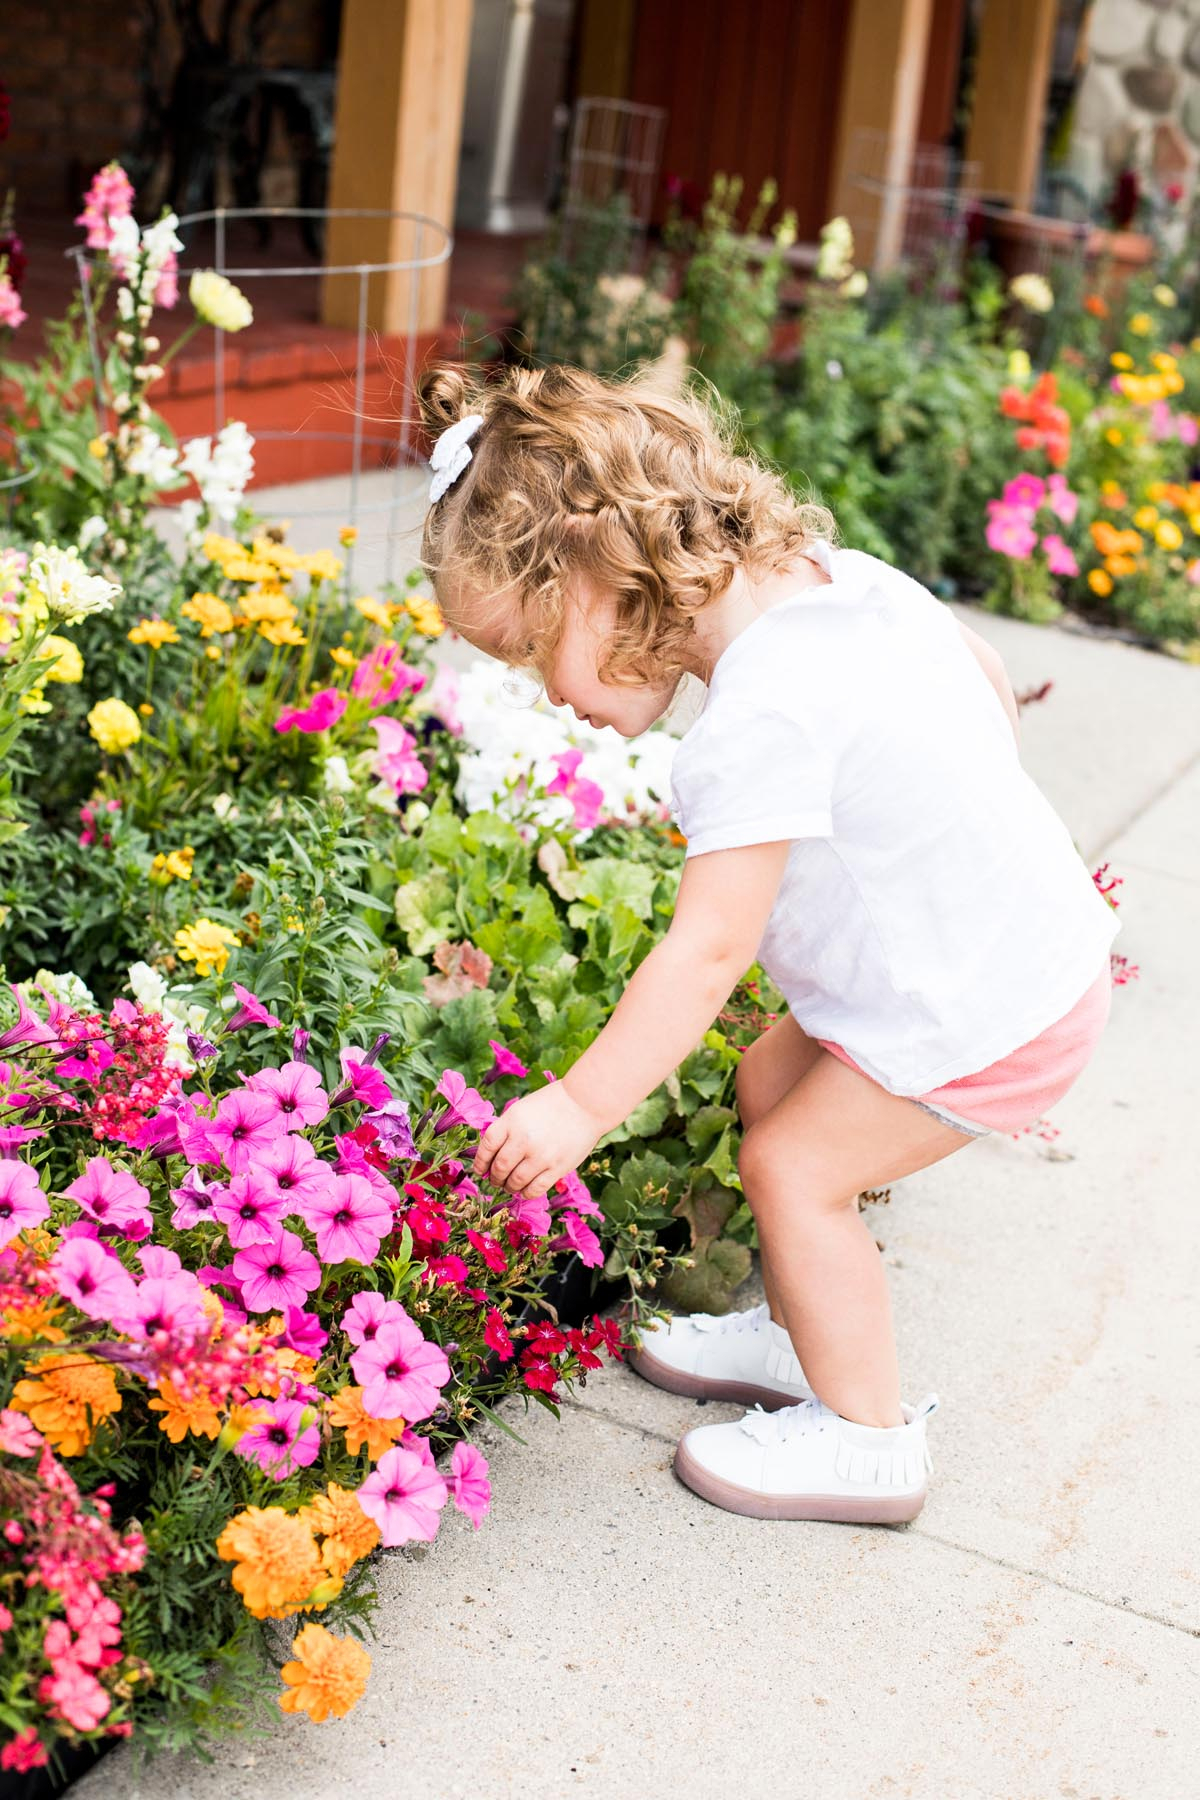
857, 819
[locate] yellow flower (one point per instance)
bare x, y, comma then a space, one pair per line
348, 535
1194, 523
155, 632
374, 610
146, 710
218, 302
282, 631
180, 1416
33, 700
213, 653
345, 659
361, 1427
65, 1396
67, 665
1114, 436
1120, 359
1146, 517
179, 863
1033, 291
277, 1566
1168, 535
207, 944
1166, 296
278, 555
114, 725
426, 615
1141, 324
1163, 361
1173, 382
98, 448
349, 1534
328, 1674
322, 565
1019, 366
1100, 582
219, 549
209, 612
249, 568
265, 603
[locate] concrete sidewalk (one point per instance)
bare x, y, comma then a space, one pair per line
1033, 1635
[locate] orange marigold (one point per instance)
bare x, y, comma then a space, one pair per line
327, 1675
346, 1409
32, 1322
181, 1416
66, 1395
349, 1535
277, 1566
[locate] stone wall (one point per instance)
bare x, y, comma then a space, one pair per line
1138, 103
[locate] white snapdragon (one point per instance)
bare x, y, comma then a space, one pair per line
62, 583
222, 469
149, 456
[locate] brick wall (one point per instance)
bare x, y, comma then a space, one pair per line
72, 71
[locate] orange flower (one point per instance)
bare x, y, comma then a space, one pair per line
348, 1533
277, 1567
65, 1396
32, 1321
327, 1675
346, 1409
181, 1416
1097, 305
1106, 537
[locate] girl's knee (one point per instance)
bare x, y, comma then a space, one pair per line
775, 1171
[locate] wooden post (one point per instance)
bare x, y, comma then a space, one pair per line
882, 88
1012, 73
605, 47
402, 74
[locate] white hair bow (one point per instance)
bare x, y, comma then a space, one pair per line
451, 454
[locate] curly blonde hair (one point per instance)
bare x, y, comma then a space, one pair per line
639, 490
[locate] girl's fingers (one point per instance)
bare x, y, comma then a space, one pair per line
521, 1174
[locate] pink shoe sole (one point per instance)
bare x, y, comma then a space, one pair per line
702, 1387
839, 1508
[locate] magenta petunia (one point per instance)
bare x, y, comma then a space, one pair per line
396, 762
383, 676
246, 1123
363, 1082
93, 1279
467, 1107
280, 1442
1025, 492
276, 1275
251, 1011
292, 1170
172, 1304
194, 1200
586, 797
323, 710
250, 1210
13, 1139
349, 1220
469, 1486
575, 1193
110, 1195
303, 1332
22, 1202
29, 1029
578, 1237
296, 1091
368, 1313
404, 1495
156, 1259
503, 1063
533, 1214
401, 1372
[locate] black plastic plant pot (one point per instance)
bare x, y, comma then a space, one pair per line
74, 1761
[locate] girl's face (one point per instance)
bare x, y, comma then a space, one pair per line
572, 680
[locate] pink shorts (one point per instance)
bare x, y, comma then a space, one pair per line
1023, 1085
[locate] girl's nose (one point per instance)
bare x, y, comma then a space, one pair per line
554, 697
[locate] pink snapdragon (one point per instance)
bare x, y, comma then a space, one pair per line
109, 198
396, 762
586, 797
22, 1202
12, 313
323, 710
401, 1372
404, 1495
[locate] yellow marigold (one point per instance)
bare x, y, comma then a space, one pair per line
426, 615
248, 568
180, 1416
266, 603
98, 448
209, 612
66, 1395
114, 725
176, 865
282, 631
213, 653
345, 659
348, 535
348, 1533
277, 1566
283, 1361
1141, 324
1100, 582
1168, 535
68, 663
328, 1674
219, 549
1146, 517
374, 610
155, 632
1194, 523
346, 1409
1173, 382
146, 710
1163, 361
33, 700
322, 565
207, 944
278, 555
1121, 359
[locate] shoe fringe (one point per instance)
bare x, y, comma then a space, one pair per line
890, 1468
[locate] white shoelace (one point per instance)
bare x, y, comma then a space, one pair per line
734, 1321
787, 1422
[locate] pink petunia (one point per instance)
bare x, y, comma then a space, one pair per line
246, 1123
467, 1106
470, 1487
194, 1200
250, 1210
586, 797
17, 1436
349, 1220
296, 1090
291, 1169
280, 1442
368, 1313
29, 1029
578, 1237
22, 1201
73, 1693
1060, 558
1061, 501
503, 1063
396, 762
251, 1011
444, 698
404, 1495
156, 1259
575, 1191
1009, 531
91, 1278
383, 676
1024, 492
363, 1082
111, 1196
323, 710
13, 1139
303, 1332
276, 1275
401, 1372
532, 1213
173, 1305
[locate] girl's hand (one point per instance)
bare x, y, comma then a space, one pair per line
536, 1141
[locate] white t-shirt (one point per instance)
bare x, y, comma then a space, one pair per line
934, 913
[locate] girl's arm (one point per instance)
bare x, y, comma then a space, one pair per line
724, 900
992, 664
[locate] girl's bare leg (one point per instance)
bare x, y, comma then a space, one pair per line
772, 1066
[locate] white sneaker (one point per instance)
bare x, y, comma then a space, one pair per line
740, 1356
807, 1462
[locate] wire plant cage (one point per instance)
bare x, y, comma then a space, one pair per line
912, 205
615, 147
16, 468
223, 231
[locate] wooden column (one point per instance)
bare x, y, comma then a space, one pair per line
882, 88
402, 74
605, 47
1012, 73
